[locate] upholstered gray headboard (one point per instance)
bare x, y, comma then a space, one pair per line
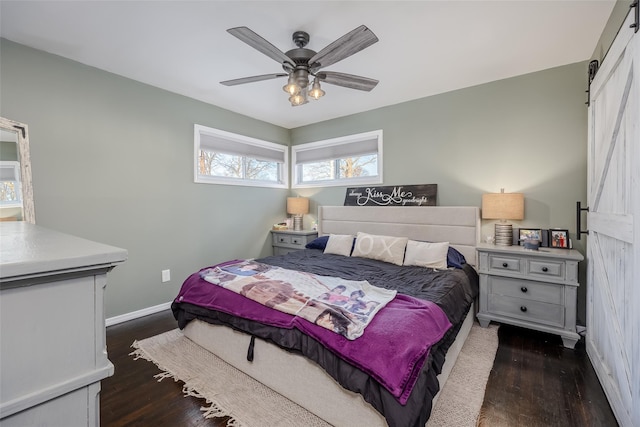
458, 225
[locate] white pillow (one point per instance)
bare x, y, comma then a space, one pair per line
425, 254
383, 248
339, 244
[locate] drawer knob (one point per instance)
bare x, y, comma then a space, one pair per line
524, 289
505, 265
523, 309
545, 269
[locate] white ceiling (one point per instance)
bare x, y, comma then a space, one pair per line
425, 47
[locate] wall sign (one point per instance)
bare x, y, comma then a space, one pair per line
400, 195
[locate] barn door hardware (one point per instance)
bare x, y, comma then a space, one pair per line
593, 69
636, 23
579, 210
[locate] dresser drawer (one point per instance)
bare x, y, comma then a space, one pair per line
528, 310
526, 289
500, 263
545, 268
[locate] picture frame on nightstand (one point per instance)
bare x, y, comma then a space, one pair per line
559, 238
537, 233
530, 233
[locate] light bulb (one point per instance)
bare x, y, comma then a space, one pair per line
296, 100
299, 99
316, 92
291, 87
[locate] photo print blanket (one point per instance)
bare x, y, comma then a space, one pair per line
345, 307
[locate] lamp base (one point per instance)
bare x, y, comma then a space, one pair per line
297, 223
504, 234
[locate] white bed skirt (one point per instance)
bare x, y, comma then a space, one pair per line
299, 379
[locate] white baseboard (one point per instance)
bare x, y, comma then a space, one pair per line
137, 314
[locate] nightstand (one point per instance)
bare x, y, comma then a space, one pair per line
533, 289
285, 241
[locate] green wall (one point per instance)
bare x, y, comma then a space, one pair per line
525, 134
112, 161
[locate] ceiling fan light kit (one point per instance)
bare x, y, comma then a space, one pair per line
300, 63
316, 92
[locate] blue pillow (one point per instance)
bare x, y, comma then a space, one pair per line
454, 258
319, 243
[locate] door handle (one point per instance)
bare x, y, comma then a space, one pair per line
579, 210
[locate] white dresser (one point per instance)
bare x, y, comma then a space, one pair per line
532, 289
52, 326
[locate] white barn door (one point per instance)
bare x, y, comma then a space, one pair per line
613, 247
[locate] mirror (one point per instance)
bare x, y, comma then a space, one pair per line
16, 190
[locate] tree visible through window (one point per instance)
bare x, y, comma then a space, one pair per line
220, 164
353, 167
339, 161
10, 186
8, 192
226, 158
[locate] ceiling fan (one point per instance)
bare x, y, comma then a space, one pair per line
301, 63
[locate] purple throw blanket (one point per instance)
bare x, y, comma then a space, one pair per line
392, 349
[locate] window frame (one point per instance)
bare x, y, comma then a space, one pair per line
247, 143
334, 142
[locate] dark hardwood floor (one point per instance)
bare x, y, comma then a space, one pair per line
534, 382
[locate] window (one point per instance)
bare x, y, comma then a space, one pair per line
10, 188
348, 160
227, 158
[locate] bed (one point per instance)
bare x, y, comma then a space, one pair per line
340, 392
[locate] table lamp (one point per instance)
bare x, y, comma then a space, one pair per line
297, 206
503, 206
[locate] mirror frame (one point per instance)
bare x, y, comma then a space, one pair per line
28, 208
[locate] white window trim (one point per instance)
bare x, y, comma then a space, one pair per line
368, 180
242, 139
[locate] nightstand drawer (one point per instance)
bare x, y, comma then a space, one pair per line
545, 268
281, 238
289, 240
285, 241
502, 263
528, 310
525, 289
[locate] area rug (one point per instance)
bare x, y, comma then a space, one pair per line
249, 403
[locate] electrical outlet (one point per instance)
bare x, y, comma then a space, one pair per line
166, 275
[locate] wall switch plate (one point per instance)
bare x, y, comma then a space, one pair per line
166, 275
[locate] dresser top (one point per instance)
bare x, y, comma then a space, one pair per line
27, 249
571, 254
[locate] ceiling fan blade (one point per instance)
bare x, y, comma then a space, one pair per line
352, 42
347, 80
259, 43
252, 79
